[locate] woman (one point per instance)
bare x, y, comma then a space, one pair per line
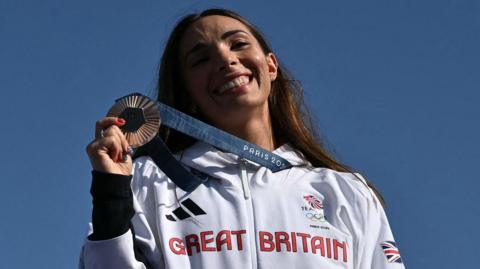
218, 68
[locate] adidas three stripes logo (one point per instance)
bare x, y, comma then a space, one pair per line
181, 214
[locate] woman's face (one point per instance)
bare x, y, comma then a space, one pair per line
225, 70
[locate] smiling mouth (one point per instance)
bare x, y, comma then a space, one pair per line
234, 83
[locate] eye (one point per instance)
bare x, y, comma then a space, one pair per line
199, 61
239, 44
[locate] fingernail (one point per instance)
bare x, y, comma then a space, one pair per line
125, 157
130, 150
121, 121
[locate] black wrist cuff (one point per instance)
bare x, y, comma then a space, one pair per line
110, 186
112, 205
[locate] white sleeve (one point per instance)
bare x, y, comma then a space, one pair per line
124, 251
377, 248
117, 253
134, 249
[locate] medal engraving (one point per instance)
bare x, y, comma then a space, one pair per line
142, 118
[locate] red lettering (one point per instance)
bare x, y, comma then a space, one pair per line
304, 241
227, 240
282, 238
205, 240
329, 248
317, 243
239, 238
208, 241
266, 238
337, 245
176, 246
191, 241
294, 242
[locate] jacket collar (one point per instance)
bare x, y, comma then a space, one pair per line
211, 160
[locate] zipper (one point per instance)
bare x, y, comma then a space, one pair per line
244, 176
251, 222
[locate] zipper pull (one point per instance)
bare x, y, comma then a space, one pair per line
244, 176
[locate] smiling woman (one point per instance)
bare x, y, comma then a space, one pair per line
217, 67
228, 76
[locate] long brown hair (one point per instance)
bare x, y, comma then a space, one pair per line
291, 121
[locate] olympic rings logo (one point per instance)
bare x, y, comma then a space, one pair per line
315, 216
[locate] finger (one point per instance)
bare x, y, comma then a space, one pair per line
114, 147
124, 157
115, 131
123, 140
112, 130
91, 147
106, 122
109, 145
126, 149
123, 143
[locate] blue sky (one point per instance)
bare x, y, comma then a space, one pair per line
393, 86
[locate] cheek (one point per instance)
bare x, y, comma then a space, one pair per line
197, 97
200, 96
191, 81
262, 67
196, 85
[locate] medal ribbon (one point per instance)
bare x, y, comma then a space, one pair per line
220, 139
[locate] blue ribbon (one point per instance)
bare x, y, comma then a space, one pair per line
220, 139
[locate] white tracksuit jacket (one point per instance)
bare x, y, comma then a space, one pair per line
245, 216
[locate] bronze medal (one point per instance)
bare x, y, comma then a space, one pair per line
142, 118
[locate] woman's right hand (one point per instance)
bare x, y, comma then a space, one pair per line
107, 150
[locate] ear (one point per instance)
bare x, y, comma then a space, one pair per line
272, 65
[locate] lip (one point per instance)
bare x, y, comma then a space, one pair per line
230, 77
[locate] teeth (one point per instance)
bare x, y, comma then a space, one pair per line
239, 81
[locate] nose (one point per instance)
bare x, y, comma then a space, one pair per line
225, 59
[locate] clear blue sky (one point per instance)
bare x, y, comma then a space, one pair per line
393, 86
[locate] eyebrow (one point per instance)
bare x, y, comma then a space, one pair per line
202, 45
232, 32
